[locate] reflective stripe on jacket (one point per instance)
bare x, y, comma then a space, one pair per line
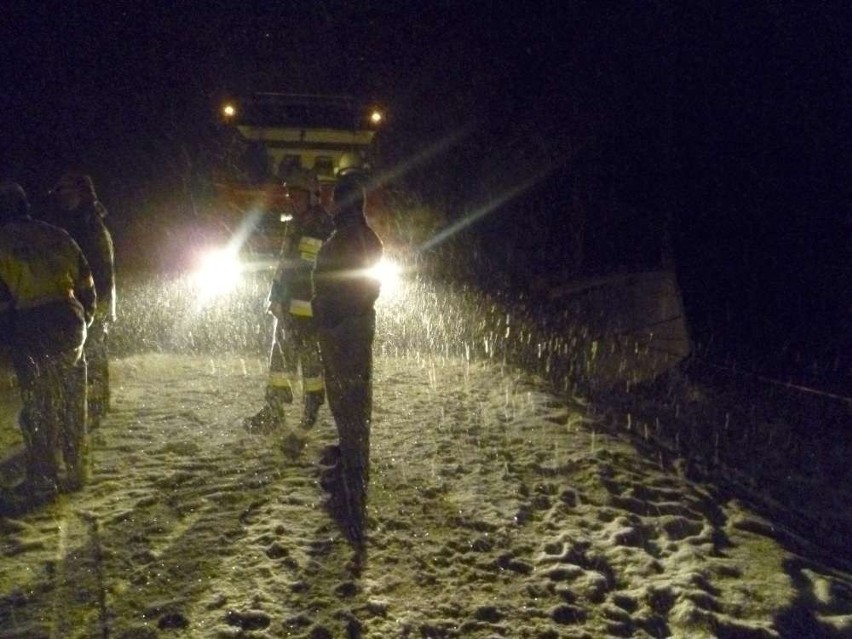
292, 283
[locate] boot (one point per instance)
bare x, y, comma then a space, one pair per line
72, 483
265, 421
293, 445
76, 477
313, 401
27, 495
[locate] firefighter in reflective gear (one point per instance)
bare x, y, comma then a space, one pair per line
343, 303
294, 341
47, 300
82, 215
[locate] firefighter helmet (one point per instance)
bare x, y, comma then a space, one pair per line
13, 201
351, 162
77, 181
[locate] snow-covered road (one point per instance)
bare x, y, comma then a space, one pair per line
496, 510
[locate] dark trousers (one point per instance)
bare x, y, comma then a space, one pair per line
347, 355
53, 416
97, 362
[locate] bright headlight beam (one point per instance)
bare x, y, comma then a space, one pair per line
218, 273
473, 216
389, 274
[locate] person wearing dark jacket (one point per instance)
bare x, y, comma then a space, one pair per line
82, 215
344, 297
294, 340
47, 301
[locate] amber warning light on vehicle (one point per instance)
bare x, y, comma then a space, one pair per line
229, 110
376, 117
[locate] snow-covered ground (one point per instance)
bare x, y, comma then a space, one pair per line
497, 509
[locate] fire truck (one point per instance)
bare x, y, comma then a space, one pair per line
271, 135
265, 139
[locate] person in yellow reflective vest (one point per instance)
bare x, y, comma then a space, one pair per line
47, 301
294, 341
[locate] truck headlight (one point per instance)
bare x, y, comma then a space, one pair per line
389, 274
217, 273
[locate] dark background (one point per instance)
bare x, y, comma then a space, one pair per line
730, 122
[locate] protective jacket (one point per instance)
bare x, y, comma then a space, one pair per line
342, 287
292, 283
86, 226
46, 288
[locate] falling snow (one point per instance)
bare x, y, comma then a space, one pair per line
499, 505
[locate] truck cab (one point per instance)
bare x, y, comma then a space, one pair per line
271, 135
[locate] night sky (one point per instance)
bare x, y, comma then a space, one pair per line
734, 123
